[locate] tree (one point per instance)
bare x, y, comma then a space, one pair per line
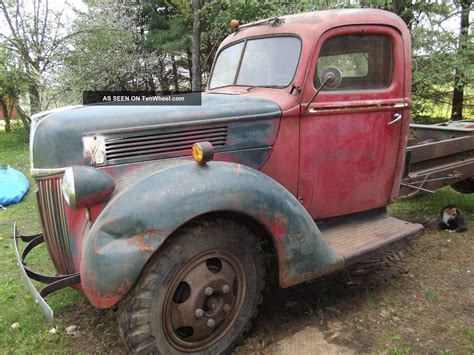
13, 84
37, 34
463, 51
196, 47
169, 30
110, 52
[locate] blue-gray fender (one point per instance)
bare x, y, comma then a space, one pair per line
150, 205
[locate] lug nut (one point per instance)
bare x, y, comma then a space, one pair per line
211, 323
199, 313
226, 308
209, 291
225, 288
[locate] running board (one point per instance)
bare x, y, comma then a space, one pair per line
353, 239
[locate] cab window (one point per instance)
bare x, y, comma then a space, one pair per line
365, 61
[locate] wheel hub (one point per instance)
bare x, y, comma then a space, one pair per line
204, 300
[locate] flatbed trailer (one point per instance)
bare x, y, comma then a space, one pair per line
437, 156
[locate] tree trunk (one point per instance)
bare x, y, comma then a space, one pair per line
35, 105
25, 119
196, 46
189, 66
459, 74
175, 74
6, 117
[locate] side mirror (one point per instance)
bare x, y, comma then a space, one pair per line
330, 77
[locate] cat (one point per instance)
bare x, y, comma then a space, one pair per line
452, 219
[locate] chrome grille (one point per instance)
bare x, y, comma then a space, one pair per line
56, 235
172, 143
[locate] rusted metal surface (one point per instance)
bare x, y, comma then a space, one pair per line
430, 166
436, 178
140, 217
204, 301
354, 239
420, 133
462, 145
63, 132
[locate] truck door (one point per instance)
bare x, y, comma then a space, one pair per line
350, 136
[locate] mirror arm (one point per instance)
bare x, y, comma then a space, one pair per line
314, 95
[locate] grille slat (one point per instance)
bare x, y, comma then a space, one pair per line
175, 143
56, 234
183, 148
169, 142
166, 136
152, 145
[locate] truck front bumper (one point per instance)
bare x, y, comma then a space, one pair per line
53, 283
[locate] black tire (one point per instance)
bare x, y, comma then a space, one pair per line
465, 186
156, 316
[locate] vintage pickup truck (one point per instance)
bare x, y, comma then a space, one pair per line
299, 145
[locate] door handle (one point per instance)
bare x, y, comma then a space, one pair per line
396, 117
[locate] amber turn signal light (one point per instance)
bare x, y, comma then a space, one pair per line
234, 24
203, 152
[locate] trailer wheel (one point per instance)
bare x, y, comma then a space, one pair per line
198, 294
465, 186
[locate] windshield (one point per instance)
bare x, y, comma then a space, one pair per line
269, 62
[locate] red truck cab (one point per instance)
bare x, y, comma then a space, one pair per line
344, 150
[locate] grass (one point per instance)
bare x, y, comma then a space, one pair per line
16, 304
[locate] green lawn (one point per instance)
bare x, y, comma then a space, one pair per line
16, 304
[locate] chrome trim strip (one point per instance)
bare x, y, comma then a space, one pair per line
34, 172
53, 218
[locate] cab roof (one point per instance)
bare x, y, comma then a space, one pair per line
315, 23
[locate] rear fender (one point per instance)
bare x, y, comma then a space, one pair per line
150, 205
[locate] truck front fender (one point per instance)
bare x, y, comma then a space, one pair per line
152, 204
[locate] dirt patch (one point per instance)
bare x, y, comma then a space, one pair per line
422, 304
95, 330
310, 340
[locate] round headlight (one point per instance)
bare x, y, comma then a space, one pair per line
84, 186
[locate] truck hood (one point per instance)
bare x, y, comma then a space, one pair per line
57, 136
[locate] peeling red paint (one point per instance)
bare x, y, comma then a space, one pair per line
279, 228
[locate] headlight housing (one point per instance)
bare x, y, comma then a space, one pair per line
83, 186
67, 187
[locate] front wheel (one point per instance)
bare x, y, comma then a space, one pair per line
465, 186
198, 294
